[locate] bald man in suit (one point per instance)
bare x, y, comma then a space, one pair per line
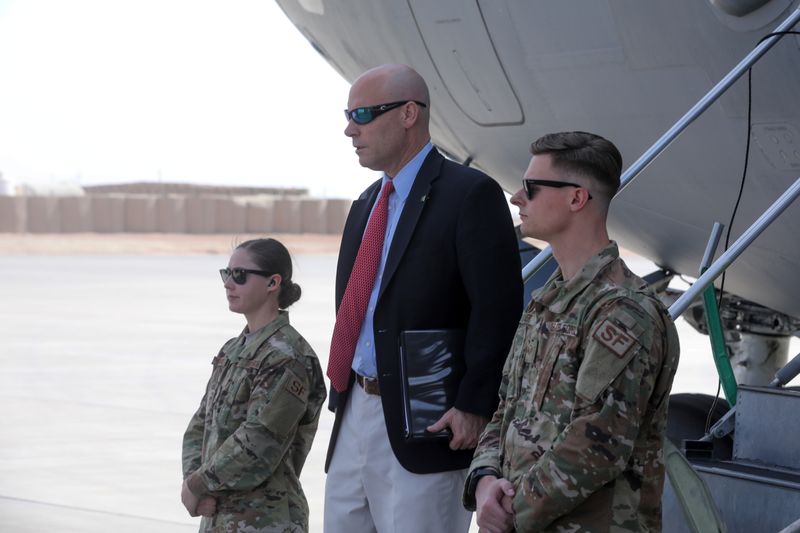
449, 260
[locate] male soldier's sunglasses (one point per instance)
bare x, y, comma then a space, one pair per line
530, 191
239, 275
365, 115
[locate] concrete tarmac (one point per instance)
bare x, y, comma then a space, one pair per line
103, 359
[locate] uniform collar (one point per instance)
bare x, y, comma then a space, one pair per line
246, 351
557, 294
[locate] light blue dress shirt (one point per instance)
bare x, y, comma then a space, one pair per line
364, 358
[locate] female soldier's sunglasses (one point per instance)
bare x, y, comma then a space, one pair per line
239, 275
530, 191
365, 115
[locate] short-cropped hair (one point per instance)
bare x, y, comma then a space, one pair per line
585, 154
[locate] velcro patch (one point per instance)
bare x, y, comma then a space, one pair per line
614, 338
296, 387
562, 327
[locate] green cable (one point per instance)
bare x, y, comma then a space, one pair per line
718, 348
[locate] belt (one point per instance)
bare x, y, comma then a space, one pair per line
370, 385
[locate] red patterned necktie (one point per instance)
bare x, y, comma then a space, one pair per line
356, 295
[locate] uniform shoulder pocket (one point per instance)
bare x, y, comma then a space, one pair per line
615, 338
286, 404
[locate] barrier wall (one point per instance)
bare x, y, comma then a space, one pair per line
287, 216
336, 211
312, 216
76, 214
117, 213
261, 216
201, 214
108, 214
231, 216
44, 214
141, 215
13, 214
171, 214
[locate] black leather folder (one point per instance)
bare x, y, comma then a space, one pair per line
431, 367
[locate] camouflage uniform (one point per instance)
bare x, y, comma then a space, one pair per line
247, 443
583, 404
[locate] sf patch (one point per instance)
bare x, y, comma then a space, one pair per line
296, 387
614, 338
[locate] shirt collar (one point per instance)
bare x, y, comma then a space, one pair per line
405, 178
557, 294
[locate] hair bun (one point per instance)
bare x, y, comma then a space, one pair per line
290, 293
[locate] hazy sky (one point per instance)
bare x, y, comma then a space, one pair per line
204, 91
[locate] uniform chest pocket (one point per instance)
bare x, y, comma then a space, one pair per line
557, 369
232, 395
517, 368
545, 370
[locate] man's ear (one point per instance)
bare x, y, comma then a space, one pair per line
410, 114
579, 198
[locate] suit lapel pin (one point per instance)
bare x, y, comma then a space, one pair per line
424, 197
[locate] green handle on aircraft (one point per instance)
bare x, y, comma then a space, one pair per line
721, 359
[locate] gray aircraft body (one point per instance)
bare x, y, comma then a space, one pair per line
504, 72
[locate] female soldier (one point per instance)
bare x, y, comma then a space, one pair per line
246, 444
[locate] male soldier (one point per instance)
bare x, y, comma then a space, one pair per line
430, 245
576, 442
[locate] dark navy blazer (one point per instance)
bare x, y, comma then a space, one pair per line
453, 264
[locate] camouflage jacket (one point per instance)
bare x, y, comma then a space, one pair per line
247, 443
583, 404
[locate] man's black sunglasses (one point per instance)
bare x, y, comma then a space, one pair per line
239, 275
529, 185
365, 115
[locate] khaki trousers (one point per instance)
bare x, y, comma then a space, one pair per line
367, 490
